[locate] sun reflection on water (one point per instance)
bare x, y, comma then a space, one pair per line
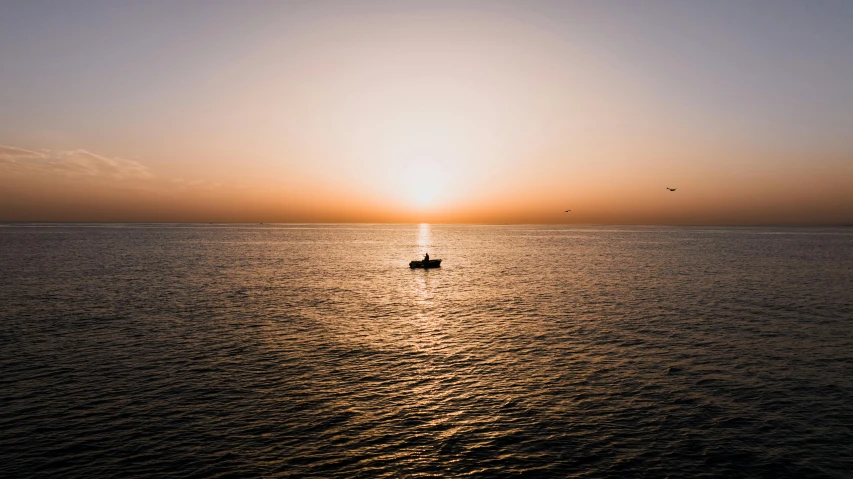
421, 286
423, 291
424, 237
425, 321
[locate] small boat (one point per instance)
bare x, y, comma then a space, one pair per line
433, 263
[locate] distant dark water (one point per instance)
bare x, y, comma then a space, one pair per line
314, 351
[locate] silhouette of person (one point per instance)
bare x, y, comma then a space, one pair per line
426, 257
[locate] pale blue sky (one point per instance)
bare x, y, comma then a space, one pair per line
774, 67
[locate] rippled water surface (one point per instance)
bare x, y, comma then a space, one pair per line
534, 351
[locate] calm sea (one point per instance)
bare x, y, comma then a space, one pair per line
534, 351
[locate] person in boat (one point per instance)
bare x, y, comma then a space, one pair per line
426, 257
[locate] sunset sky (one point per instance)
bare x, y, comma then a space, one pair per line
427, 111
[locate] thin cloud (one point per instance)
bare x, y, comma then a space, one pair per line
12, 154
181, 184
73, 164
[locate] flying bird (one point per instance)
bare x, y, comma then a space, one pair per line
672, 189
568, 211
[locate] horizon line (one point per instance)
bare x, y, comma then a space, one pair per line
798, 225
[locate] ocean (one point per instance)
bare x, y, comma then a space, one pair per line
214, 351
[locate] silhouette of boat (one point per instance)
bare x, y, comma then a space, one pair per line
433, 263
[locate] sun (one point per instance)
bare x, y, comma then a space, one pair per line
424, 198
424, 183
421, 162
